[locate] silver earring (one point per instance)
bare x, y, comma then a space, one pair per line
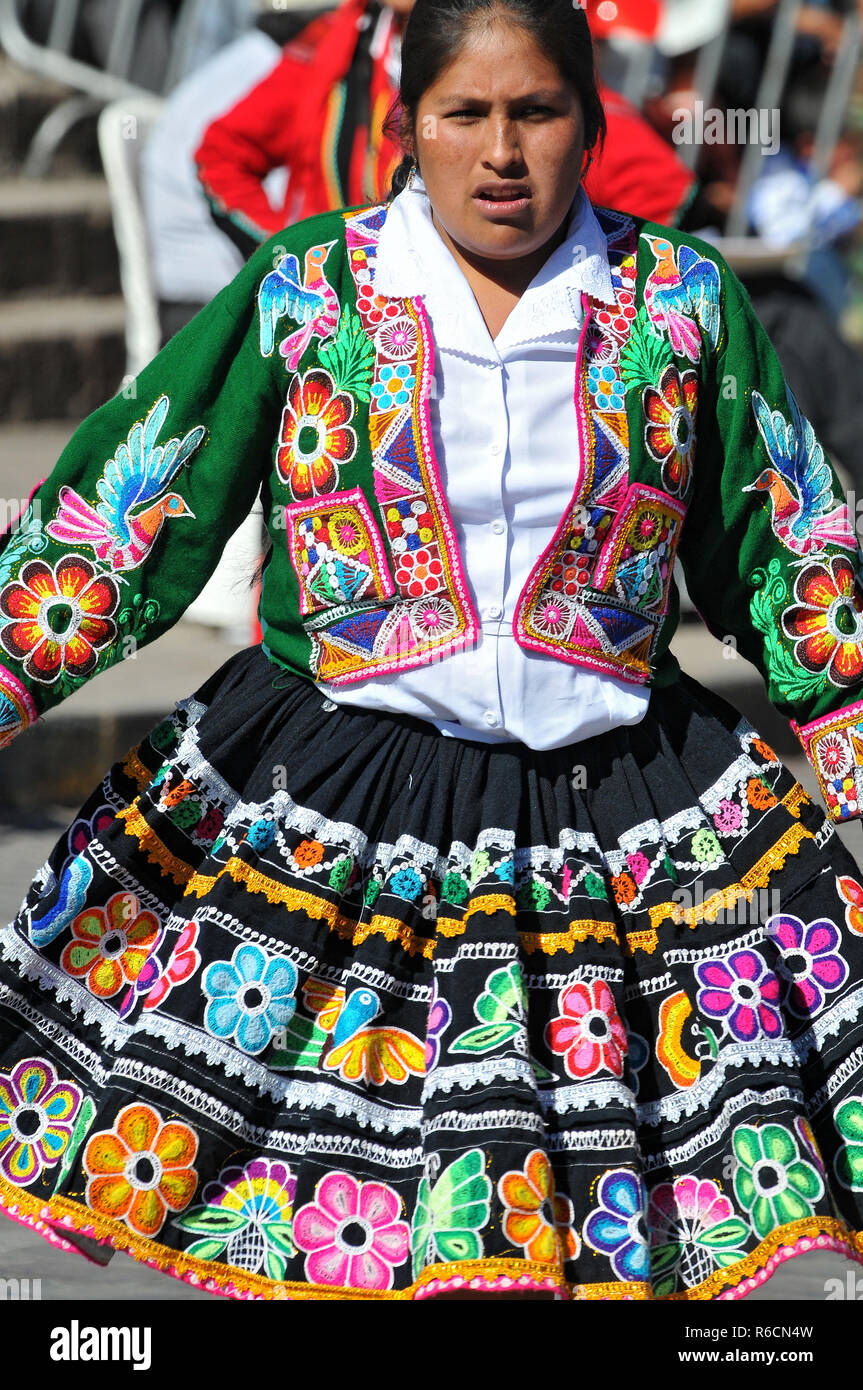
412, 175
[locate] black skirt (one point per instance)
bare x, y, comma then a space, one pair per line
312, 1002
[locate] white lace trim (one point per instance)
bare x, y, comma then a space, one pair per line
719, 1130
481, 1073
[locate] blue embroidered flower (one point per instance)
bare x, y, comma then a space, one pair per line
261, 834
394, 386
406, 884
606, 387
505, 871
617, 1227
251, 996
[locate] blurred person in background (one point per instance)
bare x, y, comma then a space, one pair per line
191, 259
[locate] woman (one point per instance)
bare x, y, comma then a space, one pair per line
473, 948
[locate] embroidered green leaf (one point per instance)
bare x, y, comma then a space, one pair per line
206, 1249
211, 1221
723, 1258
350, 357
663, 1257
727, 1233
300, 1045
485, 1038
280, 1236
276, 1265
646, 354
504, 995
86, 1115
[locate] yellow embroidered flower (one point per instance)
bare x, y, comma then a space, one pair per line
537, 1218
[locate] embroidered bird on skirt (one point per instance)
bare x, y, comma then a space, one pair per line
682, 295
311, 301
133, 504
805, 515
342, 1039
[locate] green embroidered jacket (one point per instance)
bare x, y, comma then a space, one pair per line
300, 382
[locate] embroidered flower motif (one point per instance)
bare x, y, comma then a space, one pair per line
433, 618
352, 1234
693, 1230
772, 1182
617, 1227
589, 1035
455, 887
308, 853
810, 964
849, 1160
639, 866
398, 339
37, 1114
764, 751
419, 572
624, 888
17, 710
834, 755
742, 991
533, 896
827, 625
316, 436
852, 892
341, 873
537, 1218
210, 825
553, 617
406, 883
58, 619
184, 962
505, 871
606, 387
376, 308
261, 834
110, 944
728, 818
759, 795
251, 996
393, 387
439, 1019
84, 830
141, 1169
594, 886
705, 847
246, 1218
670, 433
674, 1014
479, 866
648, 529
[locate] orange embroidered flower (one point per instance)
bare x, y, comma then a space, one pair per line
759, 795
110, 945
764, 750
673, 1015
624, 888
141, 1169
537, 1218
670, 432
309, 852
852, 892
178, 793
316, 438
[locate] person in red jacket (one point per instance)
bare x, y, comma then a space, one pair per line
321, 114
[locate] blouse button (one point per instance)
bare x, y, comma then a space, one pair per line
494, 611
490, 718
498, 527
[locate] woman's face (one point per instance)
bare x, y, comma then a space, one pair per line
500, 145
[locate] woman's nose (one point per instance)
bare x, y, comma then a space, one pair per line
504, 144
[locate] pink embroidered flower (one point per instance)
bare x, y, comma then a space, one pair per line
729, 817
589, 1035
352, 1234
184, 961
397, 339
638, 865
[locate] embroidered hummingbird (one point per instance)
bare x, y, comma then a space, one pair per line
341, 1038
681, 295
312, 302
134, 506
805, 515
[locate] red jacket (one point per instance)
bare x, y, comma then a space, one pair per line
292, 120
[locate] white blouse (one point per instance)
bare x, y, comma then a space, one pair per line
504, 429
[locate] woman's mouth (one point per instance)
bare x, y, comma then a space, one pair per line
501, 201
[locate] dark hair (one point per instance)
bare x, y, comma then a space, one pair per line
437, 29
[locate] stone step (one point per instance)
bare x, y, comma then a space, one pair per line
60, 357
56, 236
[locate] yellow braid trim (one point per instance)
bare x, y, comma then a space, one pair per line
156, 850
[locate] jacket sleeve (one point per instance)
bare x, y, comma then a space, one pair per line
129, 526
769, 550
239, 149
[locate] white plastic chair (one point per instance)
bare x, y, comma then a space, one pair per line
226, 602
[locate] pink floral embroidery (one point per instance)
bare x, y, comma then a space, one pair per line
639, 866
729, 817
352, 1234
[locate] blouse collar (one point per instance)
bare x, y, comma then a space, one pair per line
412, 259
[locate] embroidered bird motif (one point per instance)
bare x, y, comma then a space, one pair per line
682, 295
312, 302
805, 515
340, 1039
124, 526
